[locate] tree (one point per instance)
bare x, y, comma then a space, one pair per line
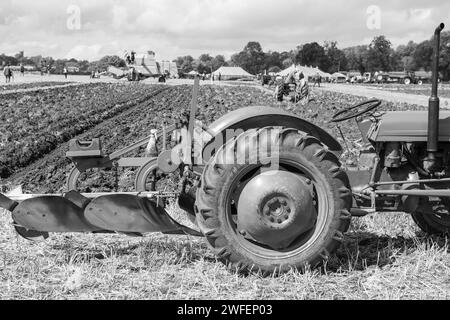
380, 54
185, 64
404, 57
423, 56
273, 59
217, 62
59, 65
4, 60
104, 63
311, 54
83, 65
356, 58
444, 62
204, 63
115, 61
335, 58
251, 58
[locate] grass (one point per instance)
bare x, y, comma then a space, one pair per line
383, 257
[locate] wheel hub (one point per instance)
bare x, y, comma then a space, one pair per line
275, 208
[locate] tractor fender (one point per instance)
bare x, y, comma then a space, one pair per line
260, 117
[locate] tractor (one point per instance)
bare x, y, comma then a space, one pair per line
265, 188
289, 88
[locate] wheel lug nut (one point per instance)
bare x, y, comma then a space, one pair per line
279, 221
286, 217
243, 233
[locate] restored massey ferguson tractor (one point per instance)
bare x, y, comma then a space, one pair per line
265, 188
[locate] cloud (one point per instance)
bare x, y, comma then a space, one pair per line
179, 27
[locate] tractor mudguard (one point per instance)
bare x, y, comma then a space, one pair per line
260, 117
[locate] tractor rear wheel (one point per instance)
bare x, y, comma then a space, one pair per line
272, 219
433, 218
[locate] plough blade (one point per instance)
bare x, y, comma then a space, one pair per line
7, 203
128, 213
51, 214
124, 213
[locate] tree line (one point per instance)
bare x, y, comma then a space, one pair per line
57, 65
379, 55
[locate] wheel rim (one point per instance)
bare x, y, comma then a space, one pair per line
303, 241
275, 208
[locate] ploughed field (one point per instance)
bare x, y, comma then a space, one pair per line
36, 126
33, 85
383, 256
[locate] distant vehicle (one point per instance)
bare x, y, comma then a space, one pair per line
143, 66
369, 77
396, 77
405, 77
423, 77
354, 77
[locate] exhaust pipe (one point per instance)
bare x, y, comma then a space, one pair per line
433, 107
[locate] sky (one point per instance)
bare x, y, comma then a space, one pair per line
90, 29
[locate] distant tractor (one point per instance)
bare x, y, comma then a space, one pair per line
422, 77
396, 77
404, 77
143, 66
265, 187
294, 87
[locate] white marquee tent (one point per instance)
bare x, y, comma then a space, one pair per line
308, 72
231, 73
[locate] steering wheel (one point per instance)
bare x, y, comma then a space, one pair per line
354, 111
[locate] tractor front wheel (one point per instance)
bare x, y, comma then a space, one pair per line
433, 218
273, 208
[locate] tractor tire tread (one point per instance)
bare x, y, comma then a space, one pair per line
212, 182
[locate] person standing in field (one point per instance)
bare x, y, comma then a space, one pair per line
7, 72
317, 80
22, 70
220, 76
65, 72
